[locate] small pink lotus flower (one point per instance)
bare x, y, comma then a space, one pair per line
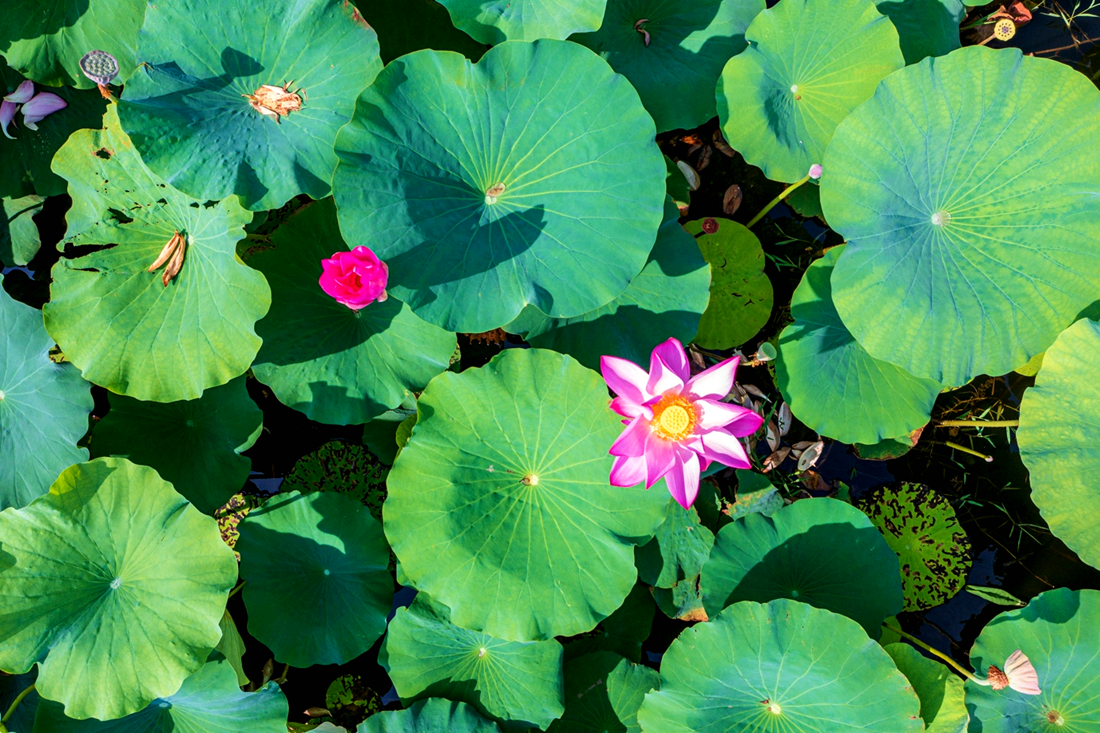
815, 171
676, 423
1019, 674
356, 278
41, 106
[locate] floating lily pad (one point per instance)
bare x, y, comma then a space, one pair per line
414, 26
830, 381
19, 240
335, 364
25, 161
925, 27
341, 467
818, 551
428, 656
1058, 434
674, 59
186, 106
969, 222
808, 65
496, 21
1057, 632
209, 702
623, 632
120, 324
429, 716
46, 40
318, 556
666, 299
511, 521
195, 445
35, 448
783, 665
110, 550
741, 294
678, 551
940, 690
603, 692
526, 201
921, 527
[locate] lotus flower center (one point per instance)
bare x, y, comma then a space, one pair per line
673, 418
940, 218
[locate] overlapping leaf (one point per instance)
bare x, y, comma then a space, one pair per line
493, 21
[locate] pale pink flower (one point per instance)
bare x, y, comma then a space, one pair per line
815, 171
1019, 674
22, 93
676, 423
356, 278
41, 106
7, 112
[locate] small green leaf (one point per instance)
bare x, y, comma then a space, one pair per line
232, 647
999, 596
603, 692
493, 22
678, 551
940, 690
19, 240
429, 716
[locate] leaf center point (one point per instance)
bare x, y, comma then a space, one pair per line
530, 480
941, 218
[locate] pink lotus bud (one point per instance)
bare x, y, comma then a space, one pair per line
22, 94
815, 171
356, 278
7, 112
41, 106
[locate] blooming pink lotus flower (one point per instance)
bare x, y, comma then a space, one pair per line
41, 105
1019, 674
676, 424
356, 278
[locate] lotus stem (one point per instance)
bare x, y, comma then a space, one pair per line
236, 590
979, 423
771, 204
14, 704
964, 449
951, 662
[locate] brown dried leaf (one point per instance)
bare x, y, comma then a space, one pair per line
704, 157
720, 143
689, 173
810, 455
731, 200
775, 459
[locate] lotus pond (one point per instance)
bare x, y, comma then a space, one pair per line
568, 365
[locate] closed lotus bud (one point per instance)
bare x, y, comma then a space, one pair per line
356, 278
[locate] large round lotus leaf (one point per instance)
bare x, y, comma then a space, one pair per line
208, 702
1057, 632
831, 383
45, 39
484, 195
318, 556
114, 584
666, 299
186, 107
415, 25
678, 551
1059, 431
783, 666
675, 64
495, 21
335, 364
510, 520
741, 296
921, 527
971, 223
43, 407
120, 324
25, 161
819, 551
940, 690
925, 27
429, 716
195, 445
603, 692
808, 65
428, 656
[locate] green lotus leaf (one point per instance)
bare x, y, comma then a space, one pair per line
187, 108
683, 601
676, 62
679, 550
887, 449
45, 40
120, 324
496, 21
25, 161
320, 556
11, 686
426, 655
1057, 632
603, 692
941, 693
493, 195
921, 527
808, 65
43, 407
19, 240
112, 549
755, 495
925, 27
511, 521
343, 467
969, 222
337, 365
666, 299
414, 26
741, 296
195, 445
623, 632
232, 647
208, 702
818, 551
1059, 427
830, 381
806, 200
429, 716
779, 666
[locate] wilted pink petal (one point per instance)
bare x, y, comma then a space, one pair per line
41, 106
1021, 674
22, 93
628, 470
7, 112
626, 379
355, 279
716, 382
